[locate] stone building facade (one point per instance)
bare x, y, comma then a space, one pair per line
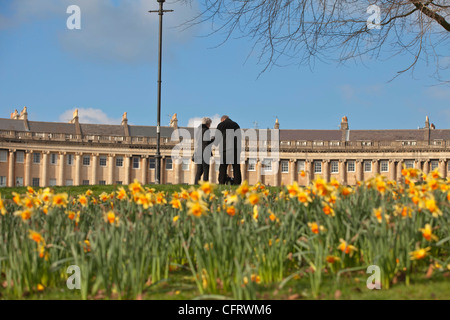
54, 154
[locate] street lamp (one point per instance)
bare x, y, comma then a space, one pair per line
158, 124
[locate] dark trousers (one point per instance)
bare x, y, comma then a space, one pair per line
237, 179
202, 169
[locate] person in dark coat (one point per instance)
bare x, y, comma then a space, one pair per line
228, 138
202, 141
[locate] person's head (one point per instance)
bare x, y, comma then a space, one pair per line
207, 122
224, 118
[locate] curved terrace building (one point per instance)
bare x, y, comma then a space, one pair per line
55, 154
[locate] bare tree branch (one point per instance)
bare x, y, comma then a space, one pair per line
301, 31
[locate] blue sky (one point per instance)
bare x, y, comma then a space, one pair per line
110, 66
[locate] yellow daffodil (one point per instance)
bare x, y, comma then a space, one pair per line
427, 233
253, 198
332, 259
36, 237
2, 206
135, 187
243, 188
197, 208
121, 194
255, 212
346, 248
231, 211
419, 254
206, 187
60, 200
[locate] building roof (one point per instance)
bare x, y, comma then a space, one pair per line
310, 135
386, 135
50, 127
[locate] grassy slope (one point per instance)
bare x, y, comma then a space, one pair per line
180, 286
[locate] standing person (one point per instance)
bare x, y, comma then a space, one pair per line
230, 151
203, 139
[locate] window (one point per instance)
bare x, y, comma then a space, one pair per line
334, 166
251, 164
384, 166
185, 164
19, 182
36, 158
318, 143
119, 182
2, 181
448, 166
102, 161
437, 142
152, 163
267, 165
169, 164
70, 159
3, 155
317, 166
86, 160
351, 166
102, 182
52, 182
409, 164
367, 166
119, 161
434, 165
284, 166
366, 143
335, 143
85, 182
301, 143
53, 158
136, 161
20, 156
35, 182
301, 165
69, 182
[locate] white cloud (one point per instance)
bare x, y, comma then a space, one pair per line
89, 115
121, 30
195, 122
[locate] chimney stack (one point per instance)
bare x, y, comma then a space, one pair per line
174, 122
344, 129
427, 130
15, 115
125, 124
75, 121
24, 114
277, 124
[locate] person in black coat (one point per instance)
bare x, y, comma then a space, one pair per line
203, 139
228, 138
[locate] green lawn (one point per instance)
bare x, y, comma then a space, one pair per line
180, 286
98, 189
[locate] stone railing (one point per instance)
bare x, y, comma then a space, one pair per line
284, 145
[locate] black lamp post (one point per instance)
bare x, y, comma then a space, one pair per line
158, 124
